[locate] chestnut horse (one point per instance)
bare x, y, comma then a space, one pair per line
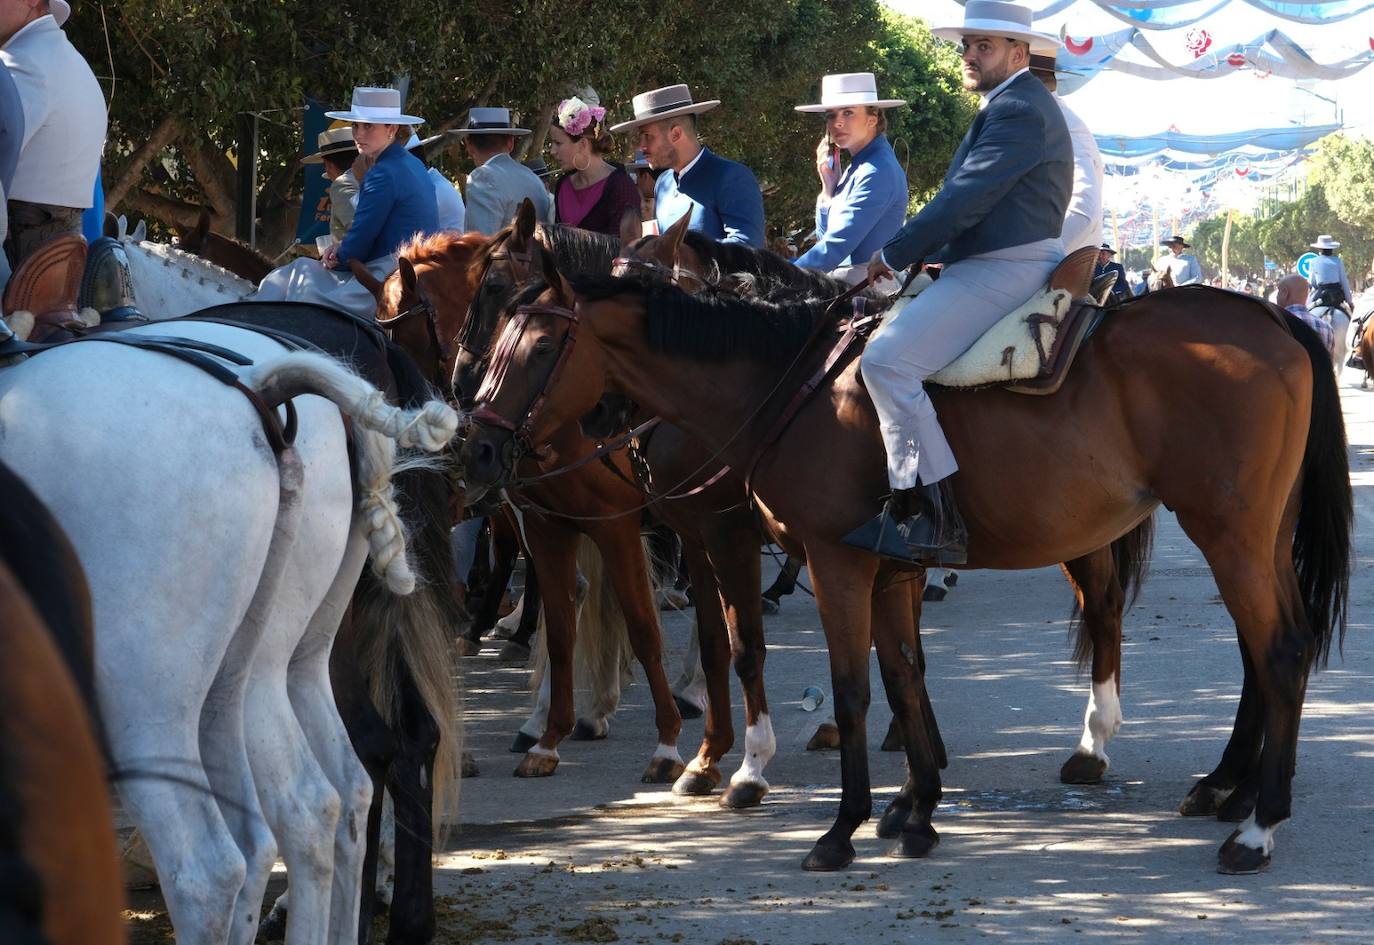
238, 257
1158, 411
57, 841
1102, 581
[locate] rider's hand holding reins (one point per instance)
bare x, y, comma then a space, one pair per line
877, 269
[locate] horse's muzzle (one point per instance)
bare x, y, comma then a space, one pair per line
488, 458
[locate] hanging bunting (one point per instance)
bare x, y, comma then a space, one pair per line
1271, 139
1174, 14
1200, 57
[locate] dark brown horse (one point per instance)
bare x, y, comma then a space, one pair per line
239, 258
62, 883
1102, 581
1158, 411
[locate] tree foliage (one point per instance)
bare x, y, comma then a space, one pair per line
179, 76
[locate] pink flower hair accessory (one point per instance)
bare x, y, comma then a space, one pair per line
576, 116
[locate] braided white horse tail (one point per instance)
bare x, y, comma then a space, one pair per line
379, 429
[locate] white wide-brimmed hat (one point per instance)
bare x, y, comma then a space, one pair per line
848, 90
1325, 242
331, 142
1043, 57
489, 121
376, 107
661, 104
60, 10
996, 18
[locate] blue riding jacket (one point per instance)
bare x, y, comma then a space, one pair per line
395, 203
866, 210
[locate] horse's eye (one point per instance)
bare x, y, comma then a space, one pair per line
543, 346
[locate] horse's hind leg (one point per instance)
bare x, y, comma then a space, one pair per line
702, 774
1101, 601
553, 551
628, 570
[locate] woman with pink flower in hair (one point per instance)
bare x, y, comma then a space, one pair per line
593, 194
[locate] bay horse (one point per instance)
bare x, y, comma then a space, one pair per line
227, 598
1156, 412
235, 255
57, 836
1102, 581
699, 499
391, 669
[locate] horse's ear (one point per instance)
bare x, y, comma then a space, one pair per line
522, 226
630, 230
366, 279
409, 280
673, 238
555, 278
140, 233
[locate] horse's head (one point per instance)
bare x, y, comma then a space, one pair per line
543, 373
612, 414
667, 257
510, 259
424, 302
191, 239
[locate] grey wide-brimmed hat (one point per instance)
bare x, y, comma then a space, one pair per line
374, 106
662, 104
417, 142
489, 121
538, 165
61, 10
996, 18
333, 141
849, 90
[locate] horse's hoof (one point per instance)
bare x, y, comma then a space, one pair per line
585, 731
536, 766
934, 593
273, 926
686, 708
696, 783
892, 741
741, 795
467, 647
1236, 859
914, 843
827, 738
1203, 800
663, 771
1240, 804
770, 606
1083, 768
827, 858
514, 653
890, 825
469, 766
522, 743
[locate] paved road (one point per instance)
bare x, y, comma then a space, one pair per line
591, 853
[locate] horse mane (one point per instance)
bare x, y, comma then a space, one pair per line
437, 247
189, 263
577, 250
717, 327
774, 277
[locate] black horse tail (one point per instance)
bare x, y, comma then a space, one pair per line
1321, 541
1131, 554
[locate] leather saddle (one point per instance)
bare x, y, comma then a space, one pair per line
46, 284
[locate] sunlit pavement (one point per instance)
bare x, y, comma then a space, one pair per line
591, 852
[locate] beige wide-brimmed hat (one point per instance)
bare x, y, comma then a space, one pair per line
660, 104
996, 18
848, 90
373, 106
331, 142
1325, 242
489, 121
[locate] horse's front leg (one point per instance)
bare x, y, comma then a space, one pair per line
843, 584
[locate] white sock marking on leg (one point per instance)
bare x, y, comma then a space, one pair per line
759, 748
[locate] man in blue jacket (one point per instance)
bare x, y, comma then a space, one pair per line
995, 226
722, 196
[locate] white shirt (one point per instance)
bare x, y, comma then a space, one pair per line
64, 117
1083, 219
691, 163
451, 210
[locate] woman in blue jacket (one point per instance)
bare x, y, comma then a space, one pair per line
395, 203
860, 209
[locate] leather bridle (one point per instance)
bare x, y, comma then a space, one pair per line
675, 274
426, 308
501, 359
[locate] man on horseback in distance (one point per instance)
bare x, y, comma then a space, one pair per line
1330, 287
995, 224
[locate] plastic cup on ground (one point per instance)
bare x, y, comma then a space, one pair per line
811, 699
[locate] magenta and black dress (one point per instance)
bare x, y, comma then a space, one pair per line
601, 206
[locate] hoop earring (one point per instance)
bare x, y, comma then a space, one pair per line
581, 167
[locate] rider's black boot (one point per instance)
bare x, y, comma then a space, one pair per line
106, 285
917, 526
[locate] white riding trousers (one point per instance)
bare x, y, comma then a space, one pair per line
305, 280
932, 330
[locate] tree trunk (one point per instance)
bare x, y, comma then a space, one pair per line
132, 171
